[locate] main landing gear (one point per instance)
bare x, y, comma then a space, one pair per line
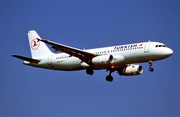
109, 77
150, 66
90, 71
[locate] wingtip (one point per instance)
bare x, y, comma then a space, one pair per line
14, 55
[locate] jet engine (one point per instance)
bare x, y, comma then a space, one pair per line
130, 70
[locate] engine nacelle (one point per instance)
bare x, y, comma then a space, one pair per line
107, 60
131, 70
102, 60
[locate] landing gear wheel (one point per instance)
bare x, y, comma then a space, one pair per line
151, 69
109, 78
89, 71
150, 66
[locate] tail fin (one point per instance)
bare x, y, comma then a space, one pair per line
38, 48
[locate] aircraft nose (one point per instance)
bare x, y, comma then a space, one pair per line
171, 51
168, 52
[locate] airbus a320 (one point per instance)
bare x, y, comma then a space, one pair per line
120, 58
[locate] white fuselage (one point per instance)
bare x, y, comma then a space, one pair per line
127, 54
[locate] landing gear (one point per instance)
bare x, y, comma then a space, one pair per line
150, 66
90, 71
109, 77
151, 69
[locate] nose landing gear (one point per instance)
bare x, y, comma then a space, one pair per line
150, 66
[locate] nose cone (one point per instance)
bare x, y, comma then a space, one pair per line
168, 52
171, 51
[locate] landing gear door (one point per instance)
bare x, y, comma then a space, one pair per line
146, 47
49, 61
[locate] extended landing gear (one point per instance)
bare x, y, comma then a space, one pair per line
109, 77
150, 66
151, 69
90, 71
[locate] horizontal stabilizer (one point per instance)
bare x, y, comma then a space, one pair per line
26, 58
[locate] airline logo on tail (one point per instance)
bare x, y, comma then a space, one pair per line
35, 44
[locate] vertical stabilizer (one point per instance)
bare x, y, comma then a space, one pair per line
38, 48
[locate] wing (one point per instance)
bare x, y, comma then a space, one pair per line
81, 54
26, 58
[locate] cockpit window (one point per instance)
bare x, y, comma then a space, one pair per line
160, 46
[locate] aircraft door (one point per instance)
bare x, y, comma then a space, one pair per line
146, 47
49, 61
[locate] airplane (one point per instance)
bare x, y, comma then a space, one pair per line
120, 58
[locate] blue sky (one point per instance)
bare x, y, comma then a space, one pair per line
31, 92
